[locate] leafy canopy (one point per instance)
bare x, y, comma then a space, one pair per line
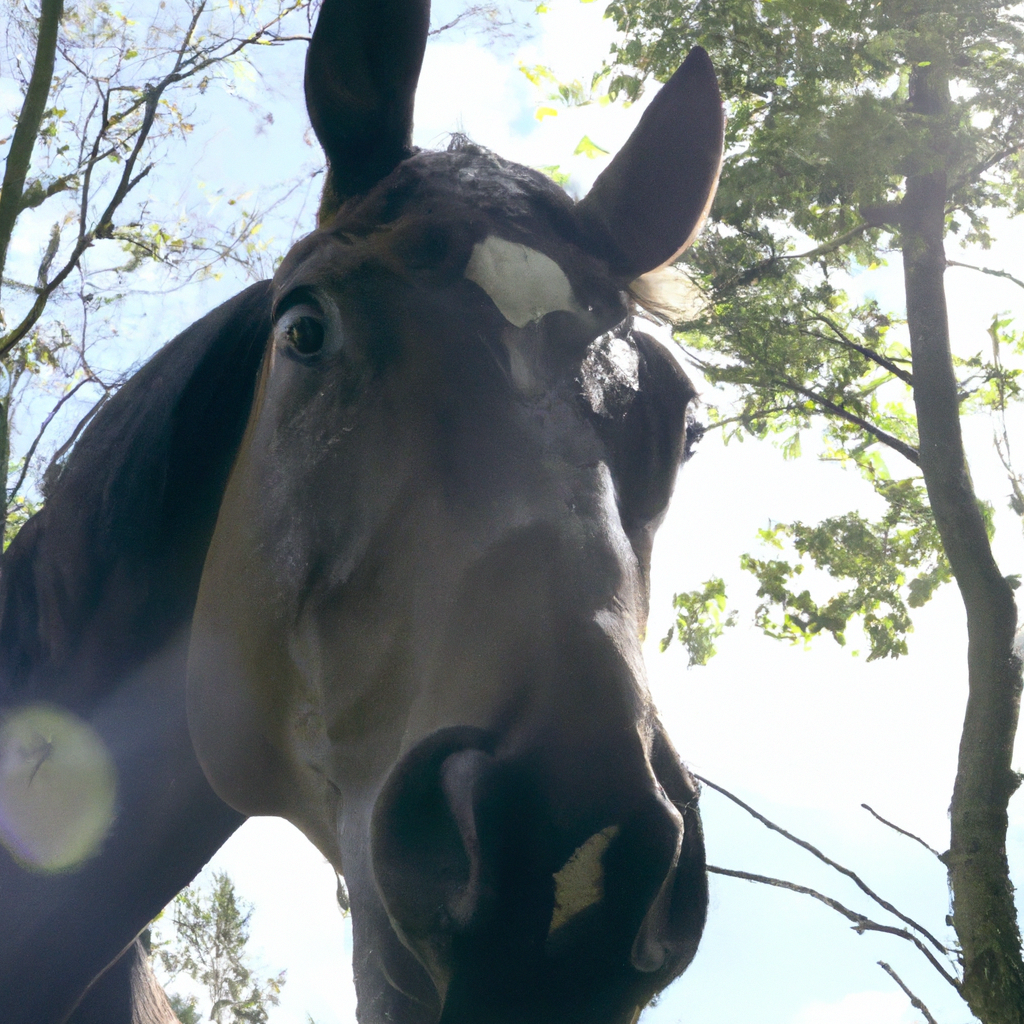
823, 133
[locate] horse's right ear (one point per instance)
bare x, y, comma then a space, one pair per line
362, 68
648, 204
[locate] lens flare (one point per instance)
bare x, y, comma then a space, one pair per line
57, 788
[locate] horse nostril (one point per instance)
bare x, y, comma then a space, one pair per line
653, 943
579, 883
426, 847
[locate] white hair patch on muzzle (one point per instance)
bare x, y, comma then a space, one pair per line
579, 883
523, 283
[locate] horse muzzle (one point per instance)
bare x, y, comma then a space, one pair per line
523, 911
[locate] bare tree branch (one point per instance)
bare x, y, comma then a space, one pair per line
864, 888
914, 1000
747, 418
52, 471
489, 11
832, 244
861, 923
902, 831
12, 494
986, 270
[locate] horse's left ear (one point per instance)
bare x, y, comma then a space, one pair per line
362, 67
648, 204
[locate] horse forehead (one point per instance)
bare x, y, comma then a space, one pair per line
472, 186
480, 179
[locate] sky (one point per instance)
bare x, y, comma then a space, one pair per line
804, 736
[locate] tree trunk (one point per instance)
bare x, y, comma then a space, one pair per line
23, 142
126, 993
984, 915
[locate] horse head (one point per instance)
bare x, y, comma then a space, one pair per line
417, 635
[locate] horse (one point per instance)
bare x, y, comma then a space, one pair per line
367, 547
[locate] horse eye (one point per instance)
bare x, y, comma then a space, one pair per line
305, 334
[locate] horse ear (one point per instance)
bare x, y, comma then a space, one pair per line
648, 204
362, 67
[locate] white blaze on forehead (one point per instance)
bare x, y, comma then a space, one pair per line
523, 283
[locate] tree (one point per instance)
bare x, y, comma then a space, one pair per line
857, 129
211, 932
84, 218
91, 215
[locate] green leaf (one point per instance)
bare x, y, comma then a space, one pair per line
871, 559
537, 73
700, 620
588, 148
555, 173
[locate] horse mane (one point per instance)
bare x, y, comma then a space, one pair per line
108, 570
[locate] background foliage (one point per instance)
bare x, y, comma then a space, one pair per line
207, 944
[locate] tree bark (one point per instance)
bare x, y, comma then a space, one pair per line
984, 915
126, 993
31, 117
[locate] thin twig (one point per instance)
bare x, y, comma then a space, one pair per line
93, 157
987, 270
751, 273
864, 888
186, 65
749, 418
39, 436
832, 244
50, 474
470, 12
902, 831
914, 1000
861, 923
851, 915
